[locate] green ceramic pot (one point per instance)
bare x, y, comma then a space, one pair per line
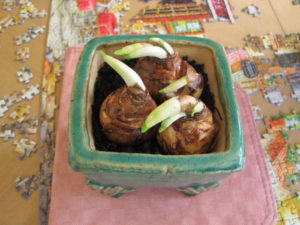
117, 173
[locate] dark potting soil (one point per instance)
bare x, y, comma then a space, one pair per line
107, 81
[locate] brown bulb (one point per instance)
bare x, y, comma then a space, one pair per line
123, 113
189, 135
158, 73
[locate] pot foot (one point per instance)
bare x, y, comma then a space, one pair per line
195, 189
115, 191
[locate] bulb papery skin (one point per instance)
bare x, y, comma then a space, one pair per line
189, 135
157, 74
123, 113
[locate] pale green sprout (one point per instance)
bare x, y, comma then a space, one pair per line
131, 48
129, 76
163, 43
170, 111
167, 109
174, 86
198, 108
153, 51
167, 122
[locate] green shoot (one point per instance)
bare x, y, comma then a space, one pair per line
163, 43
198, 108
168, 108
174, 86
129, 76
131, 48
153, 51
167, 122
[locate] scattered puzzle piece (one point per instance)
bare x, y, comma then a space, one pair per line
3, 20
249, 68
26, 9
12, 99
32, 90
285, 122
21, 39
274, 96
20, 113
257, 112
26, 94
25, 147
40, 14
34, 32
294, 153
18, 19
25, 75
280, 44
23, 54
9, 5
2, 102
56, 69
26, 127
7, 135
50, 107
9, 22
252, 10
26, 185
289, 210
3, 110
294, 82
294, 178
29, 126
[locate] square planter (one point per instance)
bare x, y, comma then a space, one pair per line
116, 173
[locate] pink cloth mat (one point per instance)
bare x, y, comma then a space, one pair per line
243, 198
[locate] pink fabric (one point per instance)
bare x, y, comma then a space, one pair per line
243, 198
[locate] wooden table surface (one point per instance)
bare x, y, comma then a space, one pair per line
14, 210
279, 17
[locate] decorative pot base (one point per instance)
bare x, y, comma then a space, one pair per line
195, 189
117, 191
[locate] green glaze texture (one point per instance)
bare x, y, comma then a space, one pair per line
132, 170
